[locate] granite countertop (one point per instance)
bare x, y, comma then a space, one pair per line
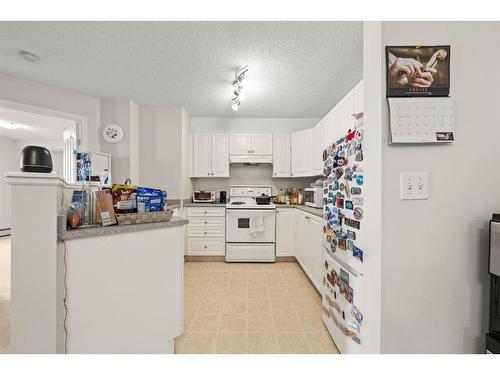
64, 235
310, 210
204, 204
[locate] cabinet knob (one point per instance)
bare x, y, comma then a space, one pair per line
249, 151
205, 212
206, 222
205, 246
208, 174
205, 232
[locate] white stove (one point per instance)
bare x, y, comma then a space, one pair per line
250, 227
243, 196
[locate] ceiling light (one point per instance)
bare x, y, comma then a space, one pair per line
9, 125
28, 56
236, 104
238, 88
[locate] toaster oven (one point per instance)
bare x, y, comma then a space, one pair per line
314, 197
201, 196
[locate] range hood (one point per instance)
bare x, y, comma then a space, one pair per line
250, 159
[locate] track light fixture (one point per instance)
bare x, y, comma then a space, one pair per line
239, 95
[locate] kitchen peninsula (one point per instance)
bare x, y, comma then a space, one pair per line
115, 289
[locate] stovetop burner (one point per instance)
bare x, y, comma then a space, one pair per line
238, 203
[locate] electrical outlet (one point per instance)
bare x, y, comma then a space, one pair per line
414, 185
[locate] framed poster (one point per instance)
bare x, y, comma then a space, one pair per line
417, 70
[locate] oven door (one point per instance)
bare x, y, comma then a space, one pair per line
238, 226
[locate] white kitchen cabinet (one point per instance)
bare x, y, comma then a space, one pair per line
262, 144
315, 263
202, 151
206, 231
220, 155
284, 232
319, 135
281, 155
308, 232
257, 144
240, 144
302, 153
210, 155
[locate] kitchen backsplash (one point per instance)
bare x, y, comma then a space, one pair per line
251, 175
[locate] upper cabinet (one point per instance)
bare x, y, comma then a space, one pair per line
281, 155
302, 153
319, 137
210, 155
256, 144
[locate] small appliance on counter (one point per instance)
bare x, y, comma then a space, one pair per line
36, 159
314, 195
222, 197
202, 196
493, 337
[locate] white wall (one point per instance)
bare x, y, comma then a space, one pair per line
9, 161
249, 125
161, 149
434, 263
49, 97
117, 111
134, 141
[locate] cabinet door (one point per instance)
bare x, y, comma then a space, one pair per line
262, 144
302, 153
240, 144
319, 132
281, 155
284, 232
220, 155
300, 236
202, 155
315, 251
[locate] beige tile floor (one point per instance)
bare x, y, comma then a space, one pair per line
251, 308
230, 308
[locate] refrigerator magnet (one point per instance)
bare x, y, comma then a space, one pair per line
355, 190
349, 205
351, 234
342, 244
357, 253
359, 179
344, 276
357, 201
350, 244
357, 314
351, 223
358, 213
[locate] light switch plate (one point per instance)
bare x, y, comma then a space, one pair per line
414, 185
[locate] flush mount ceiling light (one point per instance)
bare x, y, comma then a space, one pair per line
239, 95
28, 56
10, 125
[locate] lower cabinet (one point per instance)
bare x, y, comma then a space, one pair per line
308, 232
284, 232
206, 231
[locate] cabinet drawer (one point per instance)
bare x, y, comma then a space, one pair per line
203, 246
195, 222
206, 232
206, 211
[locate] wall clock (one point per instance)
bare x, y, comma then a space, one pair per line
112, 133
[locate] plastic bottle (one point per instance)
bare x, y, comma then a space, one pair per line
106, 178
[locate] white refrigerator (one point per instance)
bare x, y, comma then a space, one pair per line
343, 243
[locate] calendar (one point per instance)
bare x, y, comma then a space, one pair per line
421, 120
